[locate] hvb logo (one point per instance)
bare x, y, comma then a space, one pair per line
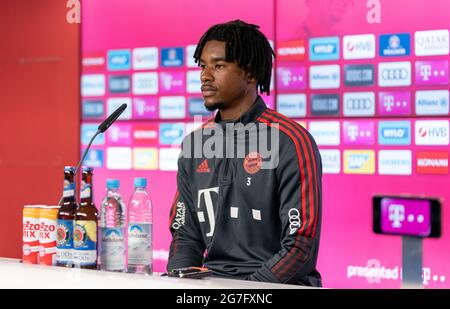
374, 14
73, 15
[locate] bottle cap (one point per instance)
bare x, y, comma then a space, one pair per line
69, 169
87, 169
140, 182
112, 184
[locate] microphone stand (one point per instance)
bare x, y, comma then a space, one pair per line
82, 159
101, 129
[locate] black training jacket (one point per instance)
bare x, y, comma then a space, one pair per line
249, 215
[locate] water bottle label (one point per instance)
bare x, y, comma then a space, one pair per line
85, 243
113, 248
139, 243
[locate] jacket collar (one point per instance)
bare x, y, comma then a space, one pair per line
249, 116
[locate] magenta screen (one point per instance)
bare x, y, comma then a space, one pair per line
368, 79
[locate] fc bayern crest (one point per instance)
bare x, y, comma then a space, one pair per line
252, 163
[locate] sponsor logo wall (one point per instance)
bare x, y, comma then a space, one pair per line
375, 99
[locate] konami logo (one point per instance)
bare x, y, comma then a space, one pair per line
292, 51
432, 162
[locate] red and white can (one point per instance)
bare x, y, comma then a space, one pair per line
31, 226
47, 234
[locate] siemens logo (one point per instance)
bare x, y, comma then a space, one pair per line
394, 133
395, 162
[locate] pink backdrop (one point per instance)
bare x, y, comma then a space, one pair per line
348, 244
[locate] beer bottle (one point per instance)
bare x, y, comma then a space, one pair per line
66, 217
85, 232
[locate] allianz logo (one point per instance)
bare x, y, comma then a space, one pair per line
173, 107
319, 76
293, 105
442, 102
394, 132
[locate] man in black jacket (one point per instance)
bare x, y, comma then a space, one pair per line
248, 203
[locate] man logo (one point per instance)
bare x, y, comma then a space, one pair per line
294, 220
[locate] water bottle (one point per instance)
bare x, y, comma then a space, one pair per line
140, 220
112, 229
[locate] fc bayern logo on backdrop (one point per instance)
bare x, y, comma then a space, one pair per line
252, 163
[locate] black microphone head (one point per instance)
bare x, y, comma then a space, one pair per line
113, 117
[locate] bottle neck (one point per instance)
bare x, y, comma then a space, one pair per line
86, 196
69, 193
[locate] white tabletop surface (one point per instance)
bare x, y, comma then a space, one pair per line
16, 275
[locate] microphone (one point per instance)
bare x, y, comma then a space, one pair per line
110, 120
101, 129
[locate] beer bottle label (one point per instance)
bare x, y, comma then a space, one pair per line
113, 248
85, 243
64, 242
69, 189
86, 192
139, 243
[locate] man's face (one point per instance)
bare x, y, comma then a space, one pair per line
224, 84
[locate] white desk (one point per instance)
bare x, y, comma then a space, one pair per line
14, 274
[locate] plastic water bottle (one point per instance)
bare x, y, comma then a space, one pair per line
112, 229
140, 222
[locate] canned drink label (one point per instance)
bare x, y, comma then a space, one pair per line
85, 243
113, 248
64, 242
139, 243
47, 235
31, 234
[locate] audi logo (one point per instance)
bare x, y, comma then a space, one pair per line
294, 220
394, 74
359, 103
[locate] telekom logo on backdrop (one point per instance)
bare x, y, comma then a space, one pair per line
291, 78
394, 103
359, 132
432, 72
